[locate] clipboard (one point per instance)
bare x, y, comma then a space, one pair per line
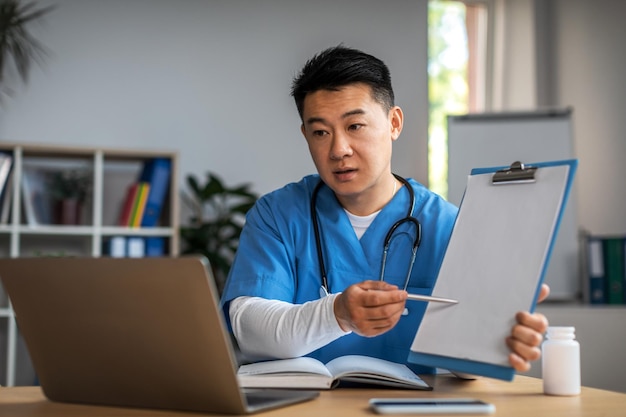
494, 266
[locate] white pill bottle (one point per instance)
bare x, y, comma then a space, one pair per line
560, 364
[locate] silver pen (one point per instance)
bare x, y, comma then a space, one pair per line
431, 298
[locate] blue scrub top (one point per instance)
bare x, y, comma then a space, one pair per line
277, 257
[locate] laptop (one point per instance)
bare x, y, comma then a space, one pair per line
141, 332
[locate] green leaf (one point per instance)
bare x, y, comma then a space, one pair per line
16, 43
216, 238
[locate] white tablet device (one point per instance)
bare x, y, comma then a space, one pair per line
430, 406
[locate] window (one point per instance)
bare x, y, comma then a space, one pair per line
456, 56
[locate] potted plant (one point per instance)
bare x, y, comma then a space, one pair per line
218, 215
69, 190
16, 43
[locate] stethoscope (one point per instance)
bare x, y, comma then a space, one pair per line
325, 289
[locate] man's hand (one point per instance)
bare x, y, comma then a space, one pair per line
369, 308
527, 335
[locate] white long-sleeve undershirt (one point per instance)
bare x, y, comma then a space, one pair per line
272, 329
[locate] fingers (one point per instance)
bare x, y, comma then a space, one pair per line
376, 285
527, 335
522, 354
543, 293
519, 364
369, 308
535, 323
525, 340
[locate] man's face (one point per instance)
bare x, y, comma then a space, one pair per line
350, 137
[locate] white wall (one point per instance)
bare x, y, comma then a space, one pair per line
586, 57
211, 79
589, 67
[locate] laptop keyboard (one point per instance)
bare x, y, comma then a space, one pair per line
263, 398
256, 399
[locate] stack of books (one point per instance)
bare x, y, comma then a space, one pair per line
135, 204
142, 207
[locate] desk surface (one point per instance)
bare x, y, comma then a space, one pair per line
522, 397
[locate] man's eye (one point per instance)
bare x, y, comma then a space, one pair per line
355, 126
319, 133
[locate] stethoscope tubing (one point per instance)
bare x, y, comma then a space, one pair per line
325, 289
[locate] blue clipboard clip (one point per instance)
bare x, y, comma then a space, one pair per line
516, 173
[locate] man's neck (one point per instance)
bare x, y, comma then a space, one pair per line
365, 204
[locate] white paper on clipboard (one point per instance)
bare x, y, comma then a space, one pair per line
494, 265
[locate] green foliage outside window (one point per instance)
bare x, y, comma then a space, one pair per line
447, 82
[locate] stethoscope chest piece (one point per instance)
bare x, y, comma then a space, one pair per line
323, 292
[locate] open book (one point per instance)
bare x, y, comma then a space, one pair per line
307, 372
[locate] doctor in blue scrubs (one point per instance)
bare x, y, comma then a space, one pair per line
324, 265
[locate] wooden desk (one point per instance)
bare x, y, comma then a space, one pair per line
522, 397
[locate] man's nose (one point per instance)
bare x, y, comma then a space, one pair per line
340, 147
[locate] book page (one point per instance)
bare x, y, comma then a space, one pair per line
302, 365
301, 372
374, 370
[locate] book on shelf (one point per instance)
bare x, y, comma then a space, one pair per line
613, 248
6, 198
154, 246
127, 207
135, 247
596, 281
310, 373
156, 172
6, 163
139, 205
116, 247
37, 198
6, 186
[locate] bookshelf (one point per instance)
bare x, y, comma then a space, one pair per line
32, 228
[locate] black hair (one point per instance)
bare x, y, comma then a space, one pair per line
339, 66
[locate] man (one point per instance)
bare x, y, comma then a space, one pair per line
309, 277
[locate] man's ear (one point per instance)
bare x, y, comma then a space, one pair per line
302, 130
396, 119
